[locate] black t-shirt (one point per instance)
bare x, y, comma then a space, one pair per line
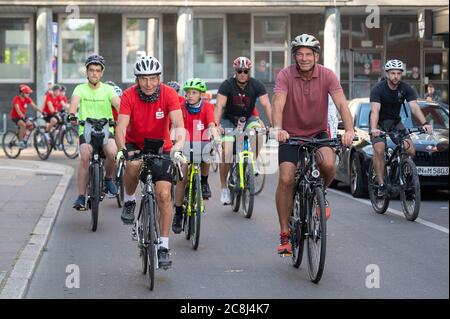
391, 100
240, 102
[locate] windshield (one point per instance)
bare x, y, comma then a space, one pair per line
434, 115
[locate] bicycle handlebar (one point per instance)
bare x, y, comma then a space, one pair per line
333, 142
400, 133
137, 155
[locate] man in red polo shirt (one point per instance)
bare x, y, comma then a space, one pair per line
300, 105
19, 111
145, 110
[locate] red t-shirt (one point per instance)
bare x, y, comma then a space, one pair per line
149, 120
305, 113
62, 98
56, 102
197, 124
23, 103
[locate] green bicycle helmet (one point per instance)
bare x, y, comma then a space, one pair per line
196, 84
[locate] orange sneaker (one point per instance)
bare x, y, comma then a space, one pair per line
285, 247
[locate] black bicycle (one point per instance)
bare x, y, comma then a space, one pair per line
63, 137
99, 130
400, 177
146, 225
308, 218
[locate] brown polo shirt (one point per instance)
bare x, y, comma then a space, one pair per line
305, 113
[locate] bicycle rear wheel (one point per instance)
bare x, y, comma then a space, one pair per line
260, 175
379, 204
70, 142
317, 235
198, 209
248, 193
410, 190
10, 143
42, 146
295, 228
94, 194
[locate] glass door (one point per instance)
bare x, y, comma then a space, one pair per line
268, 63
367, 69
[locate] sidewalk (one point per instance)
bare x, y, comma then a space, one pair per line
30, 195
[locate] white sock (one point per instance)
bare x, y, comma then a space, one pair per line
127, 198
164, 242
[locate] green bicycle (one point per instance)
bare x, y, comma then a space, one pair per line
193, 206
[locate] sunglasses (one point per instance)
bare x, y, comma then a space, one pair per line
240, 71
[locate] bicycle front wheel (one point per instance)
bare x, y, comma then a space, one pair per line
142, 236
379, 204
295, 228
410, 190
248, 193
317, 235
94, 194
233, 186
119, 183
42, 146
151, 245
70, 142
10, 144
198, 209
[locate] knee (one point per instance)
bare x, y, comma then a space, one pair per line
285, 181
164, 195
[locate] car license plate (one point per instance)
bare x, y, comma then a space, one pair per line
432, 171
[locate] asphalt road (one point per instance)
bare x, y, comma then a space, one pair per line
237, 257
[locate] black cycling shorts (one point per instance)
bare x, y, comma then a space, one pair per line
291, 153
387, 126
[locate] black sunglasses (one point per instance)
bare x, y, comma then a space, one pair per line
240, 71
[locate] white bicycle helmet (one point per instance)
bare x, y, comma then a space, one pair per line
394, 65
305, 40
147, 65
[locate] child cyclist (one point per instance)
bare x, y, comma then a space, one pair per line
198, 116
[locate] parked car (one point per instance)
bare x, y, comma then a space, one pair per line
431, 150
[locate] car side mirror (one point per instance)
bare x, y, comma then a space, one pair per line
341, 126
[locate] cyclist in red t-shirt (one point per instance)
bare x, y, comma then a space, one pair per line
19, 111
199, 123
145, 110
52, 105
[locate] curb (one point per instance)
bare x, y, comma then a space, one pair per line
17, 281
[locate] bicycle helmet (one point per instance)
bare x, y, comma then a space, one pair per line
147, 65
196, 84
175, 85
394, 65
307, 41
25, 89
242, 63
96, 60
56, 87
115, 87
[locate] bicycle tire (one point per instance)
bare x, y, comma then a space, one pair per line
260, 175
317, 231
196, 218
94, 196
410, 189
379, 205
9, 144
142, 230
119, 183
235, 191
297, 231
41, 145
186, 217
70, 137
248, 193
151, 247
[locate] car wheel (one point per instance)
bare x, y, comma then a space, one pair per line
358, 183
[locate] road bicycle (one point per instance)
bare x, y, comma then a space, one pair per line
99, 132
400, 177
193, 206
308, 217
63, 136
11, 142
147, 225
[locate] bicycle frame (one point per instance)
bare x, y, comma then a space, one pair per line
194, 169
243, 158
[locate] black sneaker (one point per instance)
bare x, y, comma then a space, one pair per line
128, 212
382, 191
164, 258
206, 191
176, 224
80, 203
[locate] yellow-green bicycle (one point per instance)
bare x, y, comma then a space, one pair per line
193, 206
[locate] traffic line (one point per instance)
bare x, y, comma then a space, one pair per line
392, 211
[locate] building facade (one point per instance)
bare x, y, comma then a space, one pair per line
43, 41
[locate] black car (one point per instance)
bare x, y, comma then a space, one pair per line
431, 150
